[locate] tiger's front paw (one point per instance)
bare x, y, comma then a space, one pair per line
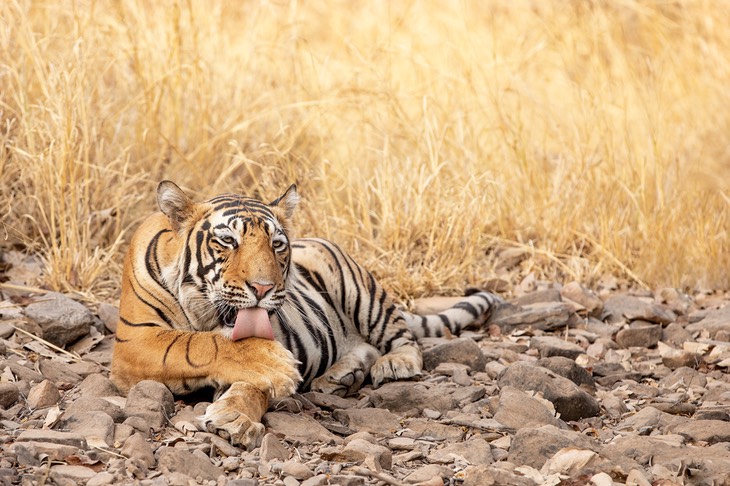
236, 415
403, 363
264, 363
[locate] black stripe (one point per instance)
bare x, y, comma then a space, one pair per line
466, 306
138, 324
167, 351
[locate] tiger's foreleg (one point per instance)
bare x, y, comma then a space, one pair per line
401, 363
247, 373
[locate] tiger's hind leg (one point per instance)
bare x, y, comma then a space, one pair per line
400, 364
347, 374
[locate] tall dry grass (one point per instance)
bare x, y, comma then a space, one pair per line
426, 137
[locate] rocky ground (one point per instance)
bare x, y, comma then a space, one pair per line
563, 386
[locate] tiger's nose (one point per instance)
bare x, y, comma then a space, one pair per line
260, 289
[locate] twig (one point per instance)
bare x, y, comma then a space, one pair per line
380, 476
108, 451
50, 345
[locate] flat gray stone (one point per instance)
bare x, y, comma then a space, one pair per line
137, 447
715, 321
575, 292
53, 436
428, 429
474, 451
533, 446
569, 400
96, 427
639, 334
298, 427
710, 431
516, 409
93, 404
545, 316
402, 396
272, 449
462, 350
359, 451
377, 421
63, 320
630, 308
59, 372
174, 460
549, 346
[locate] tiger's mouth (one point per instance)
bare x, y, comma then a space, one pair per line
247, 322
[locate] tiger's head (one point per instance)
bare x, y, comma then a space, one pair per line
235, 259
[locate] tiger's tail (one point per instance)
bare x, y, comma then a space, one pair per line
471, 311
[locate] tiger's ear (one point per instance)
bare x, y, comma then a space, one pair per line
174, 203
288, 201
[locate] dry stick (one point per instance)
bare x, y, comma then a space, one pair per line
380, 476
73, 356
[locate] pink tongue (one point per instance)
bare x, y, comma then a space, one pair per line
252, 322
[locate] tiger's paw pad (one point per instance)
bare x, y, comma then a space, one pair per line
393, 367
339, 381
233, 425
236, 414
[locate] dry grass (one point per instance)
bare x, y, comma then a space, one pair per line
426, 137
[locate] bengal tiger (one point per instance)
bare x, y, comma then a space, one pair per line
218, 294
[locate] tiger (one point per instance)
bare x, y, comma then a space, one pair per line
218, 294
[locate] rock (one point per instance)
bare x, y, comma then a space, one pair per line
637, 478
101, 479
402, 396
710, 431
377, 421
273, 449
567, 368
93, 404
297, 470
538, 297
426, 473
533, 446
474, 451
648, 419
575, 292
543, 316
619, 307
639, 333
9, 394
174, 460
150, 401
552, 346
298, 427
23, 373
491, 476
96, 427
675, 334
42, 395
84, 368
426, 429
136, 447
462, 350
677, 358
62, 319
571, 402
53, 436
58, 372
516, 409
37, 451
77, 474
684, 377
109, 315
98, 385
468, 394
329, 402
714, 321
359, 451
